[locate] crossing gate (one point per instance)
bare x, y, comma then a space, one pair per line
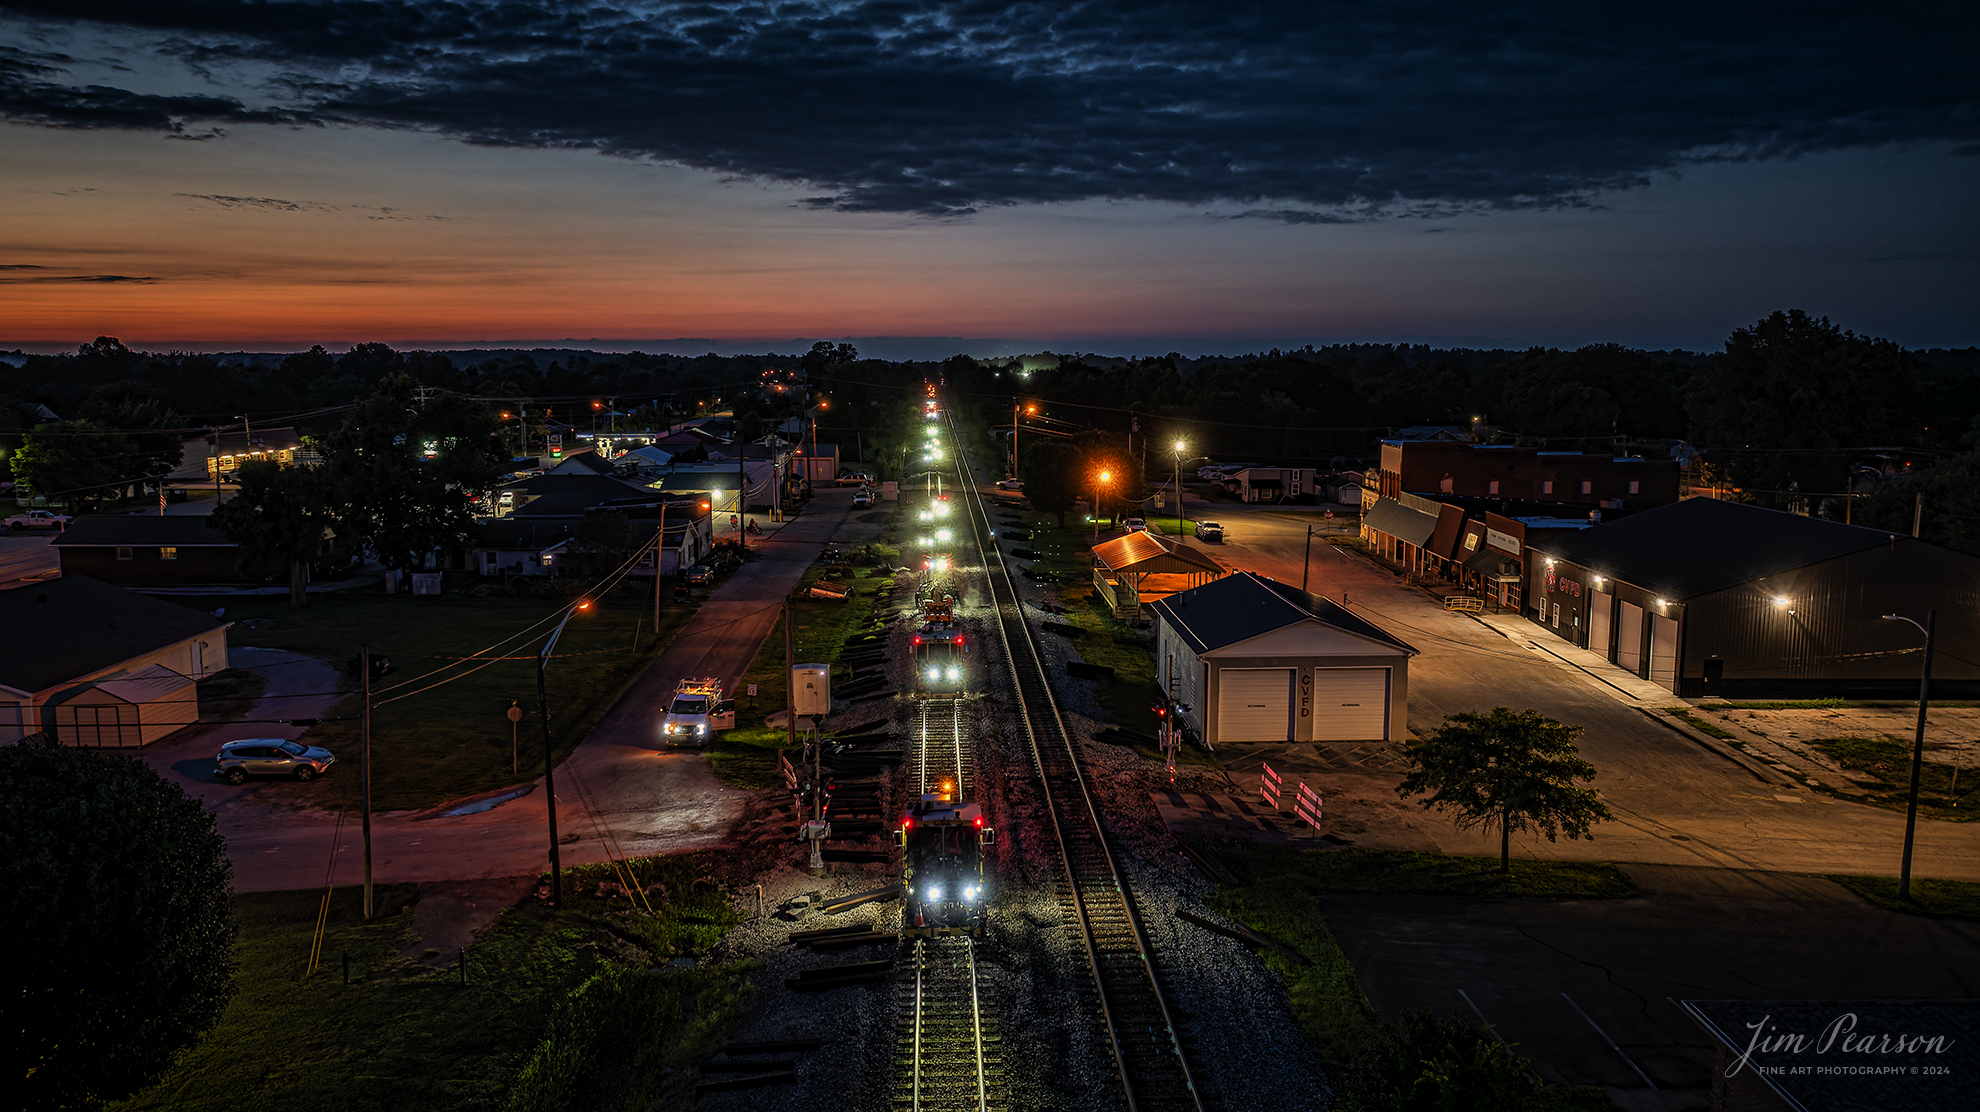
1306, 806
1268, 786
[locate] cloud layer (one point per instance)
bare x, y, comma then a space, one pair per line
1294, 112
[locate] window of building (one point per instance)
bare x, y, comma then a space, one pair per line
1492, 487
1546, 486
123, 554
1634, 486
167, 552
1587, 486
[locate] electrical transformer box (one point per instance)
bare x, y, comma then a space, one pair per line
811, 689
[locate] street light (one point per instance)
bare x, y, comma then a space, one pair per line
1179, 445
1917, 747
1018, 410
549, 779
1099, 480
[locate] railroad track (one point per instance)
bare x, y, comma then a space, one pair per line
1146, 1047
950, 1057
941, 752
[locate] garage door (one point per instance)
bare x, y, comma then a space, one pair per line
1350, 704
1599, 607
1629, 639
1254, 704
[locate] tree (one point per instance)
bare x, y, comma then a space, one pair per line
1794, 390
405, 473
116, 916
1512, 769
283, 516
1050, 467
67, 457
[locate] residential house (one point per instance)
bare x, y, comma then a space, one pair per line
97, 664
149, 551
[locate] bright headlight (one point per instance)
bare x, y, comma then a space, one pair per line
934, 673
944, 535
969, 893
953, 673
700, 728
935, 893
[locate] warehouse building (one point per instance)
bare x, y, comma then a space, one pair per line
1707, 597
1250, 659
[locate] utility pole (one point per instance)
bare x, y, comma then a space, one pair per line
659, 555
1306, 564
1917, 514
1917, 746
364, 771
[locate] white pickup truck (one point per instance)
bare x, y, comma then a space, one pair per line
697, 711
38, 519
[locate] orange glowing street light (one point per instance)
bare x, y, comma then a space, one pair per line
1099, 480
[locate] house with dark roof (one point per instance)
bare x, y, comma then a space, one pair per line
587, 462
150, 551
100, 665
1708, 597
1250, 659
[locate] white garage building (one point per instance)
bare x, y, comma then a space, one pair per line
1256, 660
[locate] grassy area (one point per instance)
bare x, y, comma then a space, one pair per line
1283, 901
1951, 899
1829, 704
1167, 526
1941, 795
1402, 873
452, 741
1683, 714
407, 1035
746, 757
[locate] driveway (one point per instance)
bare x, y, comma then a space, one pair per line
25, 555
617, 786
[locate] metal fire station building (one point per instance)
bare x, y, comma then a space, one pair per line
1708, 597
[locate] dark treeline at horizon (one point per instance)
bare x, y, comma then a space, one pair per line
1793, 409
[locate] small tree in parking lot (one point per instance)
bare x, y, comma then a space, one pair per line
1512, 769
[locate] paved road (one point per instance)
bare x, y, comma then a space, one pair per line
26, 555
1677, 802
618, 781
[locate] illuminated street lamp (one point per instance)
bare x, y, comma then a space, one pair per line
1917, 746
1099, 480
1180, 445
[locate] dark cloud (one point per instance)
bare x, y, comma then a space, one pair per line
1304, 113
50, 279
269, 203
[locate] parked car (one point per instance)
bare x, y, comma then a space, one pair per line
1209, 531
39, 519
863, 498
270, 756
700, 573
1010, 484
1134, 525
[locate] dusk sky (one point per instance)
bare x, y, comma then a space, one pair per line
1119, 177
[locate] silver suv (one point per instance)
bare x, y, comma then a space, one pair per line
270, 756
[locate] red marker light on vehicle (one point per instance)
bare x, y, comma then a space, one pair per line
917, 640
979, 820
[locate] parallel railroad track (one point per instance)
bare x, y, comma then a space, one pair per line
1141, 1034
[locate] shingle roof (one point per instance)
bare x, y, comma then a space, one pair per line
1701, 545
1244, 605
508, 533
126, 530
598, 487
75, 626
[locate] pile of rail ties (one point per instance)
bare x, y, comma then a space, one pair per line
863, 662
855, 769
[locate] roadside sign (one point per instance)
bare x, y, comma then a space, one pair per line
752, 691
1306, 806
1268, 786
